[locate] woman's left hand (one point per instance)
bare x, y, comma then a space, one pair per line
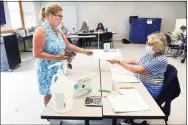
88, 52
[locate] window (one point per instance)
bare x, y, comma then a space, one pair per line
15, 17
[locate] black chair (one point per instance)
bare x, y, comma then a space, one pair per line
170, 90
184, 48
91, 31
107, 38
171, 47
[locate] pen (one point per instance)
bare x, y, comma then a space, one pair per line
104, 90
127, 88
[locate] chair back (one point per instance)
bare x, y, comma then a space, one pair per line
107, 36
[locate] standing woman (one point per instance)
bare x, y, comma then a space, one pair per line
49, 45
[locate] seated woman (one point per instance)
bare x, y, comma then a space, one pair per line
100, 28
65, 31
176, 35
151, 67
84, 29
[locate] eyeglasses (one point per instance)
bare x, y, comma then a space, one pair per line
150, 44
60, 16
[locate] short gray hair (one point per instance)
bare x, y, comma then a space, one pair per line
159, 41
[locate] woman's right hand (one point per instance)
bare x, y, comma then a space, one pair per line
135, 62
63, 57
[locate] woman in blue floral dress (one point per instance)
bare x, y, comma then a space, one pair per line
49, 45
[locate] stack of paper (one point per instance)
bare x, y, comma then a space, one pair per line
129, 102
101, 54
121, 75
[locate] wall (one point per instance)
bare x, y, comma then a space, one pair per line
29, 14
37, 6
180, 22
114, 15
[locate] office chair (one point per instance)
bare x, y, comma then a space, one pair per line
91, 31
170, 90
107, 38
184, 50
171, 47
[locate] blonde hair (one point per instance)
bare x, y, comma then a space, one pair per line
49, 9
159, 41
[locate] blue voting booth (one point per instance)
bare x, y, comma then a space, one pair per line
140, 28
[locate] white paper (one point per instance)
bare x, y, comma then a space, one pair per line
128, 91
121, 75
112, 53
149, 21
124, 78
119, 70
128, 103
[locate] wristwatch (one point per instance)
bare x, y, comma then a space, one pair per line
118, 61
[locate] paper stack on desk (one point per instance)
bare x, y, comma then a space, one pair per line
105, 55
129, 102
121, 75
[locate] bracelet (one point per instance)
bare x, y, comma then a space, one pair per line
58, 57
83, 51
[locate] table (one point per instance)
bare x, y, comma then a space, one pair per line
94, 33
106, 81
26, 38
73, 36
79, 110
86, 37
103, 80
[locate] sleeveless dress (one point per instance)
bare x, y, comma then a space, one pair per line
54, 45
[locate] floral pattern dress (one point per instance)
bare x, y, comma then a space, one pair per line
54, 45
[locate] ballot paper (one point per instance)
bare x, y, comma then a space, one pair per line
121, 75
130, 102
119, 71
128, 91
105, 55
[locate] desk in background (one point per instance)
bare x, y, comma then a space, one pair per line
94, 33
27, 38
85, 37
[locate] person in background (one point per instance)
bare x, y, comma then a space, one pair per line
150, 69
100, 28
176, 34
49, 45
64, 30
84, 29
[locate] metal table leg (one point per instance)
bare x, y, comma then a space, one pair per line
114, 121
25, 50
86, 122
